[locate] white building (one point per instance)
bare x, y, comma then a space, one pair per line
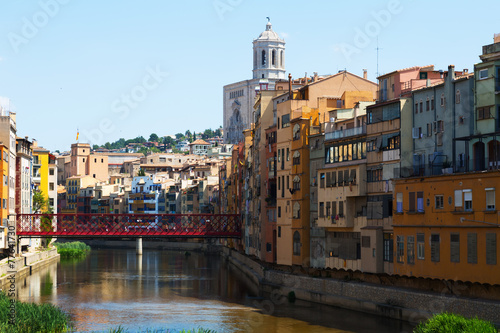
268, 67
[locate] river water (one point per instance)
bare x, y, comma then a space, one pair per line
169, 290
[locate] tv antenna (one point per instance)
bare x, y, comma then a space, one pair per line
378, 48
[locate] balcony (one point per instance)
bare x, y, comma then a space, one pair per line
345, 133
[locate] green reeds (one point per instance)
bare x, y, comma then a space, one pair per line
72, 250
452, 323
30, 317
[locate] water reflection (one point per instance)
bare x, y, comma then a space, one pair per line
165, 289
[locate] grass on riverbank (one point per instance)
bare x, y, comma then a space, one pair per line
452, 323
32, 317
120, 329
72, 250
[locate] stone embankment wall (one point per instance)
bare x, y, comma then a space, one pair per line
394, 302
26, 264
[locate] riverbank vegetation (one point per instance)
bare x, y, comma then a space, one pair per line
120, 329
452, 323
30, 317
72, 250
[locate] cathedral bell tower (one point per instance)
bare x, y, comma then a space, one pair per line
269, 55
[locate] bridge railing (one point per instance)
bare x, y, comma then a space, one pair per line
123, 225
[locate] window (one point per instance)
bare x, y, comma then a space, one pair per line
373, 175
296, 210
285, 120
279, 232
296, 132
472, 248
388, 248
435, 240
296, 243
51, 186
467, 200
321, 209
432, 103
288, 154
416, 107
429, 129
483, 74
455, 247
296, 158
322, 180
296, 183
427, 106
263, 59
457, 97
443, 100
273, 57
279, 211
421, 106
490, 199
399, 202
458, 199
400, 249
410, 249
328, 210
483, 113
341, 209
51, 171
491, 249
439, 201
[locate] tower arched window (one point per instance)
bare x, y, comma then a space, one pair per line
296, 243
273, 57
282, 59
263, 58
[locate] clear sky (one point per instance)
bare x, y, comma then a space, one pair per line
125, 68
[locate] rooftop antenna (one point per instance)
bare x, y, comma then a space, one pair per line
378, 74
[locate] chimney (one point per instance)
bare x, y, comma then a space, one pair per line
315, 78
290, 92
451, 71
466, 70
365, 74
496, 38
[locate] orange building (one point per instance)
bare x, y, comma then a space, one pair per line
447, 227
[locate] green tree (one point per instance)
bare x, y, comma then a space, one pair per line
218, 132
94, 147
169, 142
208, 134
188, 134
40, 203
153, 137
179, 136
141, 172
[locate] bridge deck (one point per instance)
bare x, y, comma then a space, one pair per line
129, 225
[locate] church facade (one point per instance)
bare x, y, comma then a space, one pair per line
268, 67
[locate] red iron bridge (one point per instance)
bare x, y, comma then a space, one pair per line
129, 225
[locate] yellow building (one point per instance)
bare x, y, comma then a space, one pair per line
448, 227
73, 186
45, 174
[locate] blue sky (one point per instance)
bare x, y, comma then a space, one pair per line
124, 68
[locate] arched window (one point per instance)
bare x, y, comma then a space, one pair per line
282, 60
296, 158
263, 58
443, 100
273, 57
296, 132
296, 187
296, 209
457, 97
296, 243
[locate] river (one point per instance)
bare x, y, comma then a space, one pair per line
171, 290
